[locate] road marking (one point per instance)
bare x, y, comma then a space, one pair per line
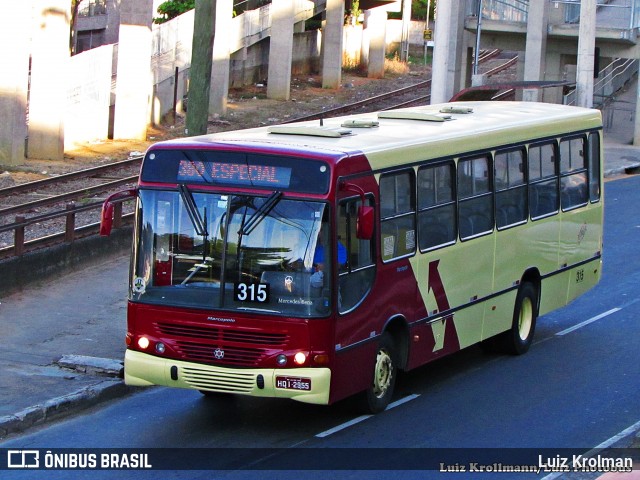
362, 418
333, 430
587, 322
402, 401
606, 444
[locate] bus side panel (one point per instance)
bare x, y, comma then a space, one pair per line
580, 241
352, 370
452, 278
357, 333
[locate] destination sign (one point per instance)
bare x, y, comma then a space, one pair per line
234, 173
236, 169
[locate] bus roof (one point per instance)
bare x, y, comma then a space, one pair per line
432, 131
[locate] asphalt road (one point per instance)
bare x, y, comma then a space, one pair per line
578, 386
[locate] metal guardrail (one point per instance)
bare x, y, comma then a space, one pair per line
68, 235
610, 80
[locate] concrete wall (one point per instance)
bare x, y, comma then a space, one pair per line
45, 264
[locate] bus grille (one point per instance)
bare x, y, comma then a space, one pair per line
213, 333
236, 382
221, 346
202, 352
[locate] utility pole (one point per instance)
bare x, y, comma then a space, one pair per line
201, 65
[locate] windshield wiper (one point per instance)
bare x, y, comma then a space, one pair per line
260, 213
197, 221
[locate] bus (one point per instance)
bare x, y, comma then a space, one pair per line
314, 261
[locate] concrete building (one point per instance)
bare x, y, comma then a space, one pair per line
97, 24
546, 34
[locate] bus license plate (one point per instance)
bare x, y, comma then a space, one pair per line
293, 383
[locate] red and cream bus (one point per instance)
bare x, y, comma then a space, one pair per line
313, 262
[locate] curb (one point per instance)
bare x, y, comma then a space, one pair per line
631, 169
65, 405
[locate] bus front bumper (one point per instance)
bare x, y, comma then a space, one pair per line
309, 385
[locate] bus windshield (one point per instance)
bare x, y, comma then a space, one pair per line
231, 252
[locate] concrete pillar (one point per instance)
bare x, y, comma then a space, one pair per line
14, 79
364, 44
536, 47
377, 27
332, 44
447, 52
281, 49
48, 97
219, 91
133, 87
586, 52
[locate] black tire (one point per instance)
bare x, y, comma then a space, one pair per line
518, 339
385, 370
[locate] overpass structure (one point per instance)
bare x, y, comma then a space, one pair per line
558, 40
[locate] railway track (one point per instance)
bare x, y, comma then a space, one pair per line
49, 208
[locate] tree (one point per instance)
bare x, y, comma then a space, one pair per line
172, 8
201, 65
419, 9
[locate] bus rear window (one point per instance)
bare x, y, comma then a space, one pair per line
236, 170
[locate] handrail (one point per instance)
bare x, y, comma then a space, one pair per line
70, 233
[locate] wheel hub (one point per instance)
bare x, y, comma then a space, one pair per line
383, 374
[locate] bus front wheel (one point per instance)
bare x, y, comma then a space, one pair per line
385, 371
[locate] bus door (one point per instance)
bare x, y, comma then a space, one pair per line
356, 271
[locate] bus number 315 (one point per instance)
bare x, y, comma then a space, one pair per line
251, 292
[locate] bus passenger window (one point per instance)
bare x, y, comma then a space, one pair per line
543, 180
397, 212
573, 173
475, 199
511, 190
436, 206
594, 166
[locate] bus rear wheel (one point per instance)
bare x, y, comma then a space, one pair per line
525, 313
385, 370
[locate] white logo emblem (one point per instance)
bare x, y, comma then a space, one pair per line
218, 353
23, 459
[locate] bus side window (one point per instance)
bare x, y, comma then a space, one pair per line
397, 215
436, 206
511, 190
543, 180
594, 166
475, 198
357, 275
573, 173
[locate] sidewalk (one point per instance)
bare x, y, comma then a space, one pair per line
61, 343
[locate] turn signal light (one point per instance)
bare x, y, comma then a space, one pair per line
321, 359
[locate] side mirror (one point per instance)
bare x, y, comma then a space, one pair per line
106, 216
365, 223
106, 219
